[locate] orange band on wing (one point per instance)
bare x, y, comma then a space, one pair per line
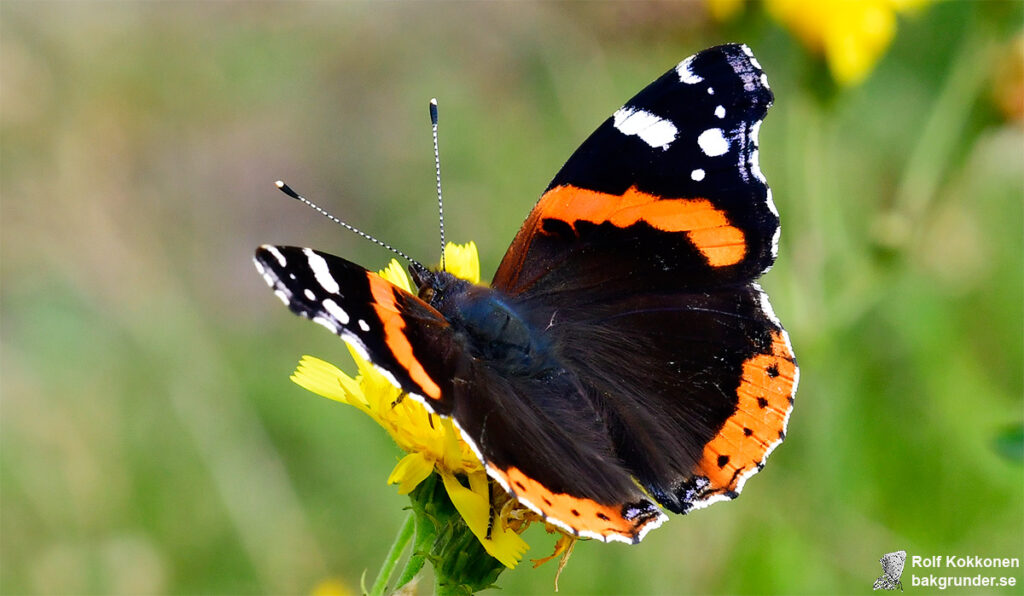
708, 228
582, 515
394, 335
765, 399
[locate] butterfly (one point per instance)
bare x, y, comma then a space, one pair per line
892, 570
623, 359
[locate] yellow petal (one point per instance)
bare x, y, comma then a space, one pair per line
396, 275
327, 380
362, 364
859, 33
852, 34
375, 389
452, 450
806, 19
410, 471
504, 544
478, 484
463, 261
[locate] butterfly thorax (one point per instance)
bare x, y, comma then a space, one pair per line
491, 329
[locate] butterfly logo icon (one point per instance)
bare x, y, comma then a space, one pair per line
892, 569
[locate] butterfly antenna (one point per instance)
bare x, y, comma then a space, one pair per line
291, 193
437, 170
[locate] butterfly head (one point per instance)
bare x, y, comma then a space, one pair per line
434, 287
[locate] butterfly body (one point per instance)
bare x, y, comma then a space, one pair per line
622, 357
485, 325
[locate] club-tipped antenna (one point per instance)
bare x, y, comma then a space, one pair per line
437, 170
291, 193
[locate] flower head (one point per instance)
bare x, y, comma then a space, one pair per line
432, 443
852, 35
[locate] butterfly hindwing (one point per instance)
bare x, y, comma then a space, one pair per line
695, 388
543, 440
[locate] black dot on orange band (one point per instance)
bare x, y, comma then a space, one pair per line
747, 432
558, 227
520, 485
782, 434
602, 516
790, 398
722, 460
547, 501
576, 513
773, 371
762, 402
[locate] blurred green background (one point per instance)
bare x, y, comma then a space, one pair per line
152, 443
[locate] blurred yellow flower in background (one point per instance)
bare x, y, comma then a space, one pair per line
852, 35
431, 443
331, 587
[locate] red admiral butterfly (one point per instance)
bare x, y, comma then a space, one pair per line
623, 355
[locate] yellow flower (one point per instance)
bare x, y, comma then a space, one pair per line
431, 443
331, 587
851, 34
723, 10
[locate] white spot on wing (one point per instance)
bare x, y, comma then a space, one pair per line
326, 323
720, 111
277, 255
771, 203
309, 294
713, 142
364, 325
651, 525
711, 90
697, 175
764, 81
766, 306
755, 166
336, 311
685, 71
750, 55
284, 296
653, 130
321, 271
357, 345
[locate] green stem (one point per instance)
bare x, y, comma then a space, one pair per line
402, 540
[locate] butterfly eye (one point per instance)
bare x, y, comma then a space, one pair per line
427, 294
